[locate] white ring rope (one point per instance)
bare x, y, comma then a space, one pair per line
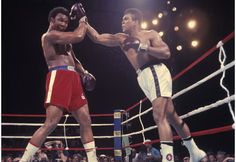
140, 119
228, 99
41, 124
56, 137
222, 59
194, 112
140, 114
64, 131
204, 80
144, 112
190, 87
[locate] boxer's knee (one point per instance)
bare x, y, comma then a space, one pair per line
159, 117
85, 122
50, 125
160, 110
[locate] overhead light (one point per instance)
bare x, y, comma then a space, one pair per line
160, 15
161, 33
192, 24
194, 43
176, 28
144, 25
174, 9
179, 47
155, 21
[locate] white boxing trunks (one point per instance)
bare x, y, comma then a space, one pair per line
155, 81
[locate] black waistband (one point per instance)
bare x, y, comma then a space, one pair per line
149, 64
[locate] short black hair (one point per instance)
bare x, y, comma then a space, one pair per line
136, 13
53, 13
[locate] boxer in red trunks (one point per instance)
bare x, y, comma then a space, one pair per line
64, 91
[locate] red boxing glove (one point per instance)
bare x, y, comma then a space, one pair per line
89, 81
77, 12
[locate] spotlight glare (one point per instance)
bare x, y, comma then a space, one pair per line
154, 21
176, 28
174, 9
144, 25
161, 33
195, 43
160, 15
192, 24
179, 47
168, 2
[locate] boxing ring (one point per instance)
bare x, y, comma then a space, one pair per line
117, 125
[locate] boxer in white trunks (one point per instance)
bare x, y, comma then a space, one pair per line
145, 50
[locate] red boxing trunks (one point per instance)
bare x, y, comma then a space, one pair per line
64, 88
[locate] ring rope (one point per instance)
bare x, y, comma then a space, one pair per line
135, 116
194, 134
191, 87
194, 112
75, 149
64, 131
204, 79
56, 137
140, 119
206, 54
41, 124
222, 59
191, 113
44, 115
226, 39
214, 48
173, 97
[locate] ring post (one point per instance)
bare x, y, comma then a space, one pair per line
117, 135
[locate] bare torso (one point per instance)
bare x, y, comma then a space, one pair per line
57, 54
138, 59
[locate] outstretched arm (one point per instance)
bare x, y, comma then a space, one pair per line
158, 48
110, 40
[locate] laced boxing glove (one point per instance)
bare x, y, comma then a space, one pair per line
77, 12
89, 81
132, 42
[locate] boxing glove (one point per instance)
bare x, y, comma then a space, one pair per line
134, 43
89, 81
77, 12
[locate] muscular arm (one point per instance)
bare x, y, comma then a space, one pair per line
110, 40
158, 48
58, 37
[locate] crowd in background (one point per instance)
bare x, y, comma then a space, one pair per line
55, 152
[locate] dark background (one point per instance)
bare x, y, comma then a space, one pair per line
24, 68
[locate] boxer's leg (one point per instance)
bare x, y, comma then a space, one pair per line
183, 131
166, 138
53, 116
